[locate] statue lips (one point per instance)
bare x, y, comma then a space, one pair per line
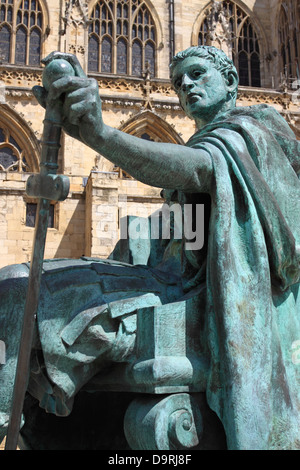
193, 98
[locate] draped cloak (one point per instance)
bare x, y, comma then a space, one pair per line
252, 278
249, 269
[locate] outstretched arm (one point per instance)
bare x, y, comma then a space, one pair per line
157, 164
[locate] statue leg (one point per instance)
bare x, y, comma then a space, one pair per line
13, 288
87, 317
78, 362
86, 320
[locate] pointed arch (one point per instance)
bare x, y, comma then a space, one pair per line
134, 31
23, 28
149, 126
19, 141
147, 122
247, 43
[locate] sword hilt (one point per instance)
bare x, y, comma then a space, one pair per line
45, 184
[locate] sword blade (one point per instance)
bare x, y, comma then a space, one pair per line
31, 306
48, 166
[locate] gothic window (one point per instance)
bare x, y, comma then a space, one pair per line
12, 157
202, 40
122, 38
122, 48
31, 209
243, 40
5, 38
6, 14
289, 40
21, 28
248, 56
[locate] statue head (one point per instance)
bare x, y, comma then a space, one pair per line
206, 82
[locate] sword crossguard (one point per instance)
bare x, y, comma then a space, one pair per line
51, 187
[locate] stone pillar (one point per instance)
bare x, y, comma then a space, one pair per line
102, 215
219, 35
75, 29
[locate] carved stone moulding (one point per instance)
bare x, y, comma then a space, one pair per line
20, 76
256, 96
129, 84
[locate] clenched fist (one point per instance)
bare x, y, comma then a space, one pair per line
81, 113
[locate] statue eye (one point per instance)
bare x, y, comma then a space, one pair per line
196, 73
177, 83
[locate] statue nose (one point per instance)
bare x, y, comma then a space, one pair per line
187, 83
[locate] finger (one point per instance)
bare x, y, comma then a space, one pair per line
49, 58
72, 59
70, 129
87, 100
75, 112
66, 85
76, 96
40, 94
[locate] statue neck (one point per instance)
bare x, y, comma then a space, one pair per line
213, 114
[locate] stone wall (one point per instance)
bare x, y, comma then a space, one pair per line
88, 221
65, 240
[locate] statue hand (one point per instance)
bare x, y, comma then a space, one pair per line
79, 95
71, 58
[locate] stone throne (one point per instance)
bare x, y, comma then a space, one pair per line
155, 402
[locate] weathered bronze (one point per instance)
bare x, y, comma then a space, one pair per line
45, 187
204, 337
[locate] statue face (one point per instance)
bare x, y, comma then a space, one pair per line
201, 88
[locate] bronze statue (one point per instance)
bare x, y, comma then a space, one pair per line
239, 291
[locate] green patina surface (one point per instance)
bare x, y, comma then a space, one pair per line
221, 320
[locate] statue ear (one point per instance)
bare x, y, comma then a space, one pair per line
232, 80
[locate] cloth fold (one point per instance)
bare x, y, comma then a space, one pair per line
252, 280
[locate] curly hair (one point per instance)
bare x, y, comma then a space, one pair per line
216, 56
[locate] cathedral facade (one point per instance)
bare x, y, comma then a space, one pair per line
127, 46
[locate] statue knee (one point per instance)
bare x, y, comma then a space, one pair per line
13, 285
14, 271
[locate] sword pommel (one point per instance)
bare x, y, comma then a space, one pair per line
56, 69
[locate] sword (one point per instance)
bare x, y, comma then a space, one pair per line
46, 187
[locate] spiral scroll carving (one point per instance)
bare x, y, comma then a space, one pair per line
182, 429
163, 423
